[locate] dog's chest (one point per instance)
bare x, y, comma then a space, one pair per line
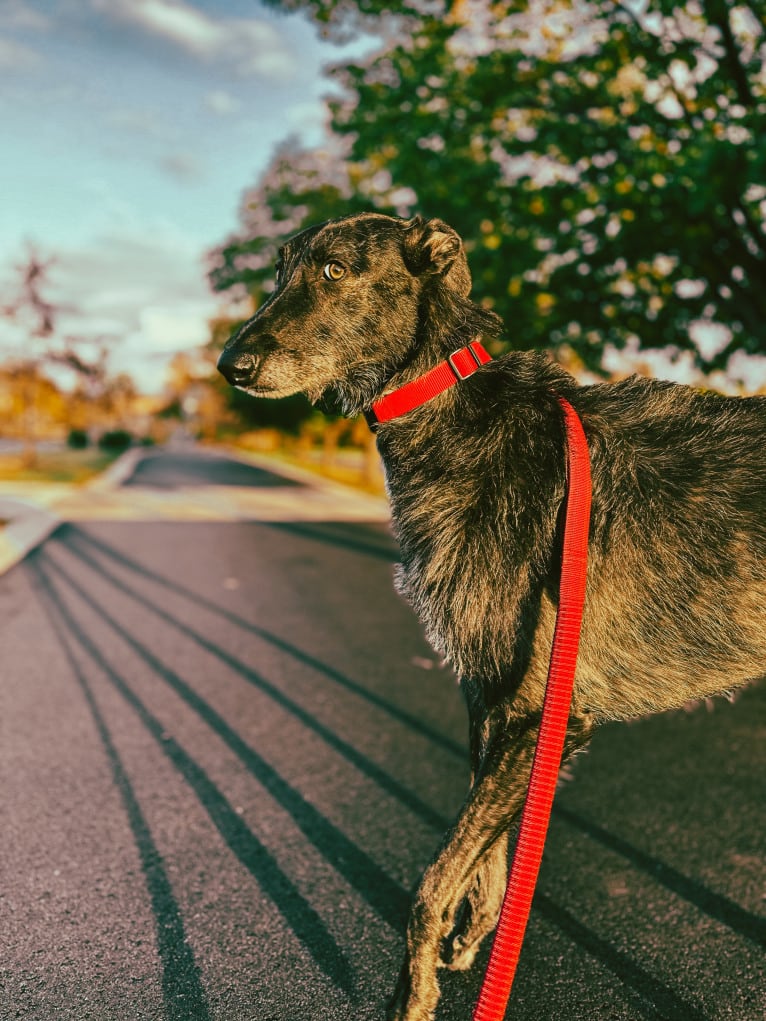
474, 512
465, 573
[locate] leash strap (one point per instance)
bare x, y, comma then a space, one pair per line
460, 365
517, 902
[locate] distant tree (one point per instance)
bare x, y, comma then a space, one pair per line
33, 317
30, 403
604, 160
35, 314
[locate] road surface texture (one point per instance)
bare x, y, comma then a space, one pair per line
227, 754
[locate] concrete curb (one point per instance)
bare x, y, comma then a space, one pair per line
29, 524
119, 471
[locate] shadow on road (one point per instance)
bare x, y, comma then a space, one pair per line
71, 535
57, 585
305, 922
181, 986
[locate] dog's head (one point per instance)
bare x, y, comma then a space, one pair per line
345, 311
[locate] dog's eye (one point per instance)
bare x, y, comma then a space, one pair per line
334, 271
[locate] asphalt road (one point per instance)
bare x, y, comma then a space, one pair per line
226, 754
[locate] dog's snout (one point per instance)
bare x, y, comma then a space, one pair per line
237, 367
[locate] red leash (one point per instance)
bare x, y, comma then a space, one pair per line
514, 914
517, 903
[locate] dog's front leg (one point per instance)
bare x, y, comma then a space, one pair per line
492, 804
470, 847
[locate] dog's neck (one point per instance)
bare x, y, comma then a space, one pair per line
459, 365
448, 321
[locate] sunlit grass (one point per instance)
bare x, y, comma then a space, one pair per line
347, 475
346, 467
62, 466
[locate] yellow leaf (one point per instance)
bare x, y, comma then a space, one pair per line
545, 302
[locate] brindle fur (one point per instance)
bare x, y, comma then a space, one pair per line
676, 597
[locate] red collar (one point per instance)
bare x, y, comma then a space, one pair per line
460, 365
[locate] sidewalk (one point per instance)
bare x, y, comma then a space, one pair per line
29, 510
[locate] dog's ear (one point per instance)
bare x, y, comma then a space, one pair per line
433, 247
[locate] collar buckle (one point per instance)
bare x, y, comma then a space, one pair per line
471, 364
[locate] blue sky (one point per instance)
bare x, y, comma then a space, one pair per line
129, 129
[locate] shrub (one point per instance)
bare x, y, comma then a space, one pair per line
77, 439
115, 439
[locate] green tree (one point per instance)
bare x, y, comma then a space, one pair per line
604, 161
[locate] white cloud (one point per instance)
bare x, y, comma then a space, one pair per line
145, 291
184, 167
249, 45
144, 122
15, 56
19, 15
163, 330
221, 102
308, 117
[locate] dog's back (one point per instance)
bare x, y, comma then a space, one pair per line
676, 605
678, 582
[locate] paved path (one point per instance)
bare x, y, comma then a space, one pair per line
226, 754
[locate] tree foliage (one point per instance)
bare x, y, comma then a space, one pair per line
604, 161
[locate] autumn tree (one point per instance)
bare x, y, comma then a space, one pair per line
33, 318
35, 314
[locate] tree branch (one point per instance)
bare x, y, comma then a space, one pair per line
717, 12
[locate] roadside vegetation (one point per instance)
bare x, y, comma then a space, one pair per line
59, 466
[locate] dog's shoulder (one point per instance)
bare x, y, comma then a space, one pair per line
639, 402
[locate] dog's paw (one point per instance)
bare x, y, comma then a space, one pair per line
460, 948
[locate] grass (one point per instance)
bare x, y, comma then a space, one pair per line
72, 466
348, 470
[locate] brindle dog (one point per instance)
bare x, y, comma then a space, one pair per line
676, 599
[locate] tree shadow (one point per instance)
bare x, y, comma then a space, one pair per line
387, 898
68, 532
182, 990
300, 915
359, 761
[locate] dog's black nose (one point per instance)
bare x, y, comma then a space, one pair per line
238, 367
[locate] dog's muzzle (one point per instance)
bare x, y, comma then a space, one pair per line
238, 367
